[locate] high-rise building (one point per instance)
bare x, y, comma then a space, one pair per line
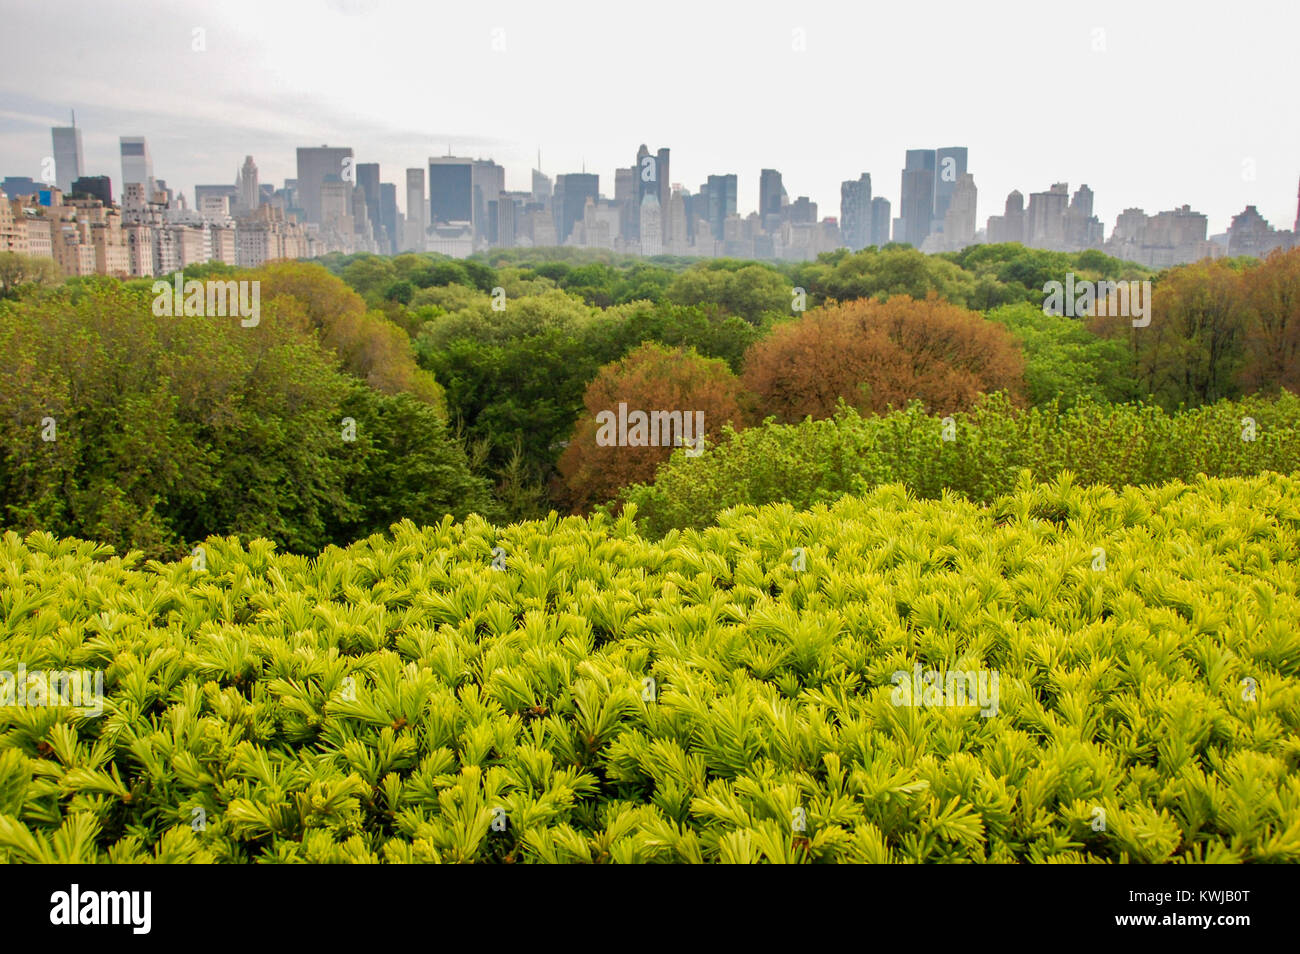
368, 186
880, 221
1010, 225
1046, 217
416, 211
626, 196
1082, 229
451, 190
916, 198
803, 211
721, 202
247, 191
570, 201
15, 187
950, 166
137, 164
541, 186
68, 161
959, 220
315, 165
855, 212
388, 217
651, 225
487, 180
230, 192
101, 187
771, 197
652, 175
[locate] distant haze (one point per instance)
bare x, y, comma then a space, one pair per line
1185, 104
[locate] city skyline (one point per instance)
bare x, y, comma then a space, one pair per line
1211, 142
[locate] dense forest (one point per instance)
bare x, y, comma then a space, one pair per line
379, 389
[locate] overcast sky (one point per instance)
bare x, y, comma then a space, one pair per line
1151, 104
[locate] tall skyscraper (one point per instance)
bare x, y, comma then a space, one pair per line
368, 186
417, 212
451, 190
625, 197
68, 162
959, 220
855, 212
137, 165
388, 217
1045, 219
916, 199
770, 195
721, 192
246, 188
315, 165
880, 221
541, 186
651, 225
950, 166
652, 175
570, 201
488, 181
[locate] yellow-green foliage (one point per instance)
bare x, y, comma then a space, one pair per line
1162, 690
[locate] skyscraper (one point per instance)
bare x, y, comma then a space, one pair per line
314, 166
651, 225
416, 211
855, 212
959, 220
541, 186
368, 186
1045, 220
722, 192
950, 166
451, 190
880, 222
488, 181
916, 199
652, 175
68, 163
570, 201
770, 194
137, 165
388, 217
246, 188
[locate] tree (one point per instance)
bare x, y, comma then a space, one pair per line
599, 460
19, 270
875, 355
1064, 360
370, 346
750, 290
1192, 351
1272, 338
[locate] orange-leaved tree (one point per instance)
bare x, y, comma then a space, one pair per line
637, 410
881, 354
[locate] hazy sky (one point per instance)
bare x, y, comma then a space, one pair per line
1151, 104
